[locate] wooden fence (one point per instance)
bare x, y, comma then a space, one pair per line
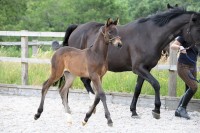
24, 60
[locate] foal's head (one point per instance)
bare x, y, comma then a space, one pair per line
110, 33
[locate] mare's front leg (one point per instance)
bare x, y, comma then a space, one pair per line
64, 91
137, 92
145, 74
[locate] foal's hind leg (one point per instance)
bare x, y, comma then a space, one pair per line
56, 73
64, 91
45, 88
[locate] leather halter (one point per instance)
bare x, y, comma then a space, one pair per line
194, 43
109, 39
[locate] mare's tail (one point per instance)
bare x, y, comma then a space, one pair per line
68, 32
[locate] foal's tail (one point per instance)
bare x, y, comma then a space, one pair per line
68, 32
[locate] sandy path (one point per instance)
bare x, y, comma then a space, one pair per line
16, 116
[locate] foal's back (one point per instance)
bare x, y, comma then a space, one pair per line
71, 59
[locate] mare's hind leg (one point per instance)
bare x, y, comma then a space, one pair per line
87, 84
64, 91
137, 92
45, 88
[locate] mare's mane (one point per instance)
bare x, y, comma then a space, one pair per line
162, 18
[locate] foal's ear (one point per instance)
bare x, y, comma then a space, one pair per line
109, 22
116, 21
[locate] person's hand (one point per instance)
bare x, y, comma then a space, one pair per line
182, 50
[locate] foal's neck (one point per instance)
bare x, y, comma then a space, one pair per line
100, 46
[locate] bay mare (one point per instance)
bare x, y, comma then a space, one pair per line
144, 40
90, 63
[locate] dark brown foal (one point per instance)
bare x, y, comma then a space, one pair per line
90, 62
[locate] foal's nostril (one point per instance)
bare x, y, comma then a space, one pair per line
119, 45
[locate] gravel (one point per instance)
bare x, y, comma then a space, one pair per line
17, 116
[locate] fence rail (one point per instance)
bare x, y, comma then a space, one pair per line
24, 60
32, 43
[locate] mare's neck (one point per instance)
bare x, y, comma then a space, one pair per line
173, 29
100, 46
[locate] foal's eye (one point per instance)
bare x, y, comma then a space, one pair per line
110, 32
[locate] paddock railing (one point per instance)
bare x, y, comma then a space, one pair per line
24, 60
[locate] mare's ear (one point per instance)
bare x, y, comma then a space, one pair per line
109, 22
194, 18
169, 6
116, 21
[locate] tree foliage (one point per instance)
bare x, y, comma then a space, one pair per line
56, 15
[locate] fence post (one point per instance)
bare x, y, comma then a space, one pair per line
35, 47
172, 84
24, 55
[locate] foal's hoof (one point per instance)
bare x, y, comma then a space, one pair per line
83, 123
69, 123
155, 114
36, 116
110, 123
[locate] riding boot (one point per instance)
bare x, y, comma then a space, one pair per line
180, 101
181, 111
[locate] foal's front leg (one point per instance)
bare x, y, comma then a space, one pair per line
89, 113
99, 95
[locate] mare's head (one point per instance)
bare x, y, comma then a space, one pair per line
110, 32
191, 32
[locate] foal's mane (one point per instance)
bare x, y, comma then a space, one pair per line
162, 18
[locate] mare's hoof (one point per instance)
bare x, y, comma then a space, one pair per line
83, 123
36, 116
134, 114
155, 114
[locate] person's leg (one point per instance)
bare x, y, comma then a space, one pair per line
183, 72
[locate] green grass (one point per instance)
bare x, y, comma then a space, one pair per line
10, 73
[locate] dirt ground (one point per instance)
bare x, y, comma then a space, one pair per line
17, 116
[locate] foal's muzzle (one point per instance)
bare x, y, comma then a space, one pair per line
119, 45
